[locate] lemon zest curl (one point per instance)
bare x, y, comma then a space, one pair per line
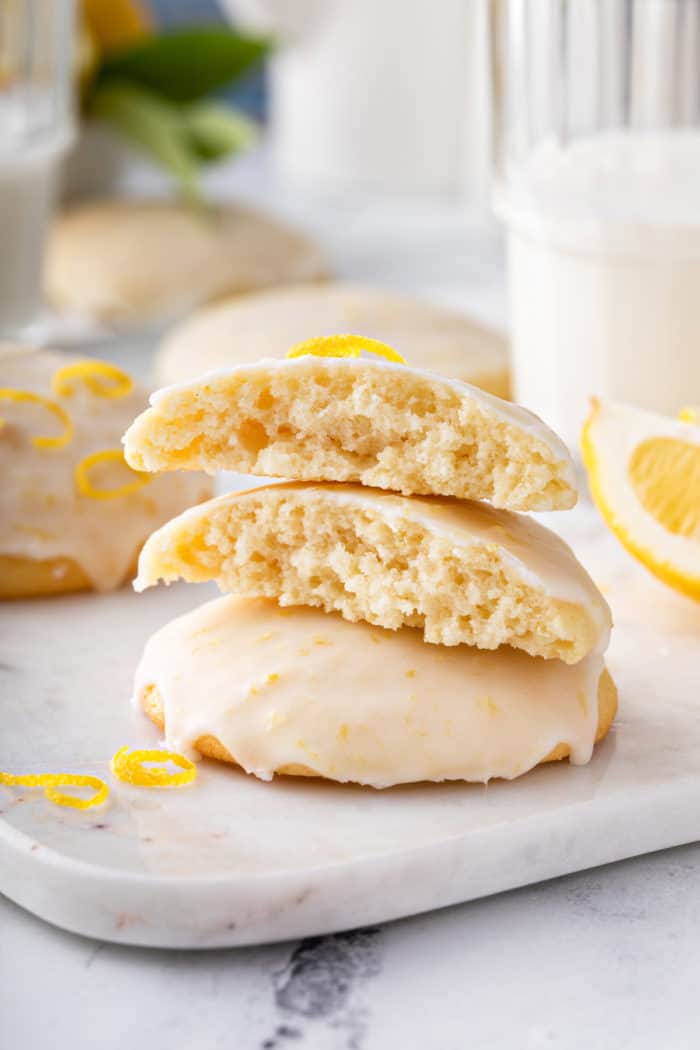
11, 394
93, 374
128, 766
344, 346
108, 455
51, 781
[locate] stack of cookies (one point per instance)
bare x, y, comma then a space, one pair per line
389, 616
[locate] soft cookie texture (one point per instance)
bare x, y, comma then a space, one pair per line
128, 261
376, 422
55, 538
301, 692
462, 571
242, 330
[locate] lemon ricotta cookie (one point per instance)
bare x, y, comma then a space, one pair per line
377, 422
462, 571
383, 527
73, 515
302, 692
242, 330
127, 261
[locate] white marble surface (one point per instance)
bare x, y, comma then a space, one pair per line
605, 958
233, 861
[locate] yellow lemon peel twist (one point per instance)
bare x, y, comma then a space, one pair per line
101, 378
108, 455
10, 394
690, 414
51, 781
344, 346
128, 766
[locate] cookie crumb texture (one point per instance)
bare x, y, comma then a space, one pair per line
391, 562
383, 425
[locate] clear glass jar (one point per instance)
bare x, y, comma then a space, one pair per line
36, 128
597, 154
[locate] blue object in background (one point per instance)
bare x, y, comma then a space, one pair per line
250, 94
169, 12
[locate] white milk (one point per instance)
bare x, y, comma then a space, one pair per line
604, 257
382, 94
29, 165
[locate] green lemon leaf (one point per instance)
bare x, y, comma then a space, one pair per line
184, 65
217, 131
153, 126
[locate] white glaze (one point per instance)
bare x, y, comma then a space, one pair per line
355, 702
42, 514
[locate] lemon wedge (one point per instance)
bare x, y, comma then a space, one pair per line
644, 474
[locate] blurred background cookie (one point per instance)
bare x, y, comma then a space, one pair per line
73, 515
267, 324
128, 262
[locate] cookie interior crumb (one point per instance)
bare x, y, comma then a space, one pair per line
385, 426
340, 548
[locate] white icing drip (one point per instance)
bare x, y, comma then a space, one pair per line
355, 702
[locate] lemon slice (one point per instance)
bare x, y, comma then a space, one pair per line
644, 474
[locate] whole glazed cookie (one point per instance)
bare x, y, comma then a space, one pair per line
461, 570
73, 515
125, 262
305, 693
242, 330
326, 414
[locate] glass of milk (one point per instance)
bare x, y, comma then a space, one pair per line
36, 128
598, 182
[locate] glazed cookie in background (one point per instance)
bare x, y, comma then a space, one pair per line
243, 330
73, 516
378, 422
462, 571
302, 692
124, 262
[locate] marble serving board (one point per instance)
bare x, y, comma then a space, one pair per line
234, 861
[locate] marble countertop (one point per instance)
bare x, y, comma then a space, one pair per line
604, 958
